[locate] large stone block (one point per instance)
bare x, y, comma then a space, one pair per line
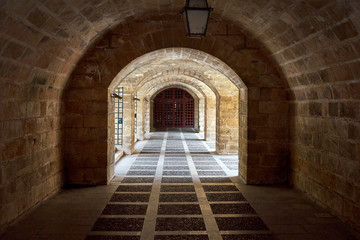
266, 175
315, 109
13, 148
13, 129
355, 90
98, 121
348, 150
97, 107
350, 110
271, 133
273, 107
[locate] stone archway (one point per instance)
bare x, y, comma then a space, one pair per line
261, 161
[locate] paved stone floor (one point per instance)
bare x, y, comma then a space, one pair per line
174, 188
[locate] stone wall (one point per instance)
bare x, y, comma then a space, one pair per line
314, 44
322, 66
31, 135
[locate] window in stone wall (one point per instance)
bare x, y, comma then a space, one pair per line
119, 106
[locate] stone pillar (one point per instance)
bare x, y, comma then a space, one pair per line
146, 106
111, 138
128, 120
151, 116
267, 136
140, 120
202, 117
210, 119
243, 133
227, 123
196, 114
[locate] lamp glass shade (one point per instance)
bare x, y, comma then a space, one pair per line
196, 16
197, 22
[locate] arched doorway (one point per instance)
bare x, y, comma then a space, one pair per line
173, 107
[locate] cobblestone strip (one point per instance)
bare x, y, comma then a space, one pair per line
148, 231
209, 219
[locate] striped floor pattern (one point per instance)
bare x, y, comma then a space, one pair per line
176, 189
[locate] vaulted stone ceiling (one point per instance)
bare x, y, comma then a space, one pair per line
309, 48
183, 63
53, 35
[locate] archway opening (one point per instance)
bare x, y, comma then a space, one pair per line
184, 88
243, 113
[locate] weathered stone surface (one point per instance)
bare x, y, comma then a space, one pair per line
314, 46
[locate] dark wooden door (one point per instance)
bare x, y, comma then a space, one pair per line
173, 107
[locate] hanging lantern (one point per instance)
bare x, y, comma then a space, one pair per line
196, 17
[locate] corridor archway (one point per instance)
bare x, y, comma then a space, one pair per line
253, 81
299, 61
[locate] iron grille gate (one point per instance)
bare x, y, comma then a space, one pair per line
119, 106
174, 107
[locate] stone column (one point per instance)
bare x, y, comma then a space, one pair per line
146, 106
227, 125
196, 114
128, 120
210, 119
140, 120
202, 116
243, 134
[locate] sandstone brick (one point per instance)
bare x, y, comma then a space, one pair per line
342, 73
86, 134
37, 17
324, 92
273, 107
254, 147
341, 91
311, 94
87, 94
354, 131
99, 121
95, 176
13, 148
33, 109
77, 107
13, 51
275, 161
315, 109
355, 90
13, 129
278, 120
331, 145
333, 109
326, 75
254, 93
97, 107
271, 133
345, 30
345, 52
74, 121
258, 120
262, 175
350, 110
272, 94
